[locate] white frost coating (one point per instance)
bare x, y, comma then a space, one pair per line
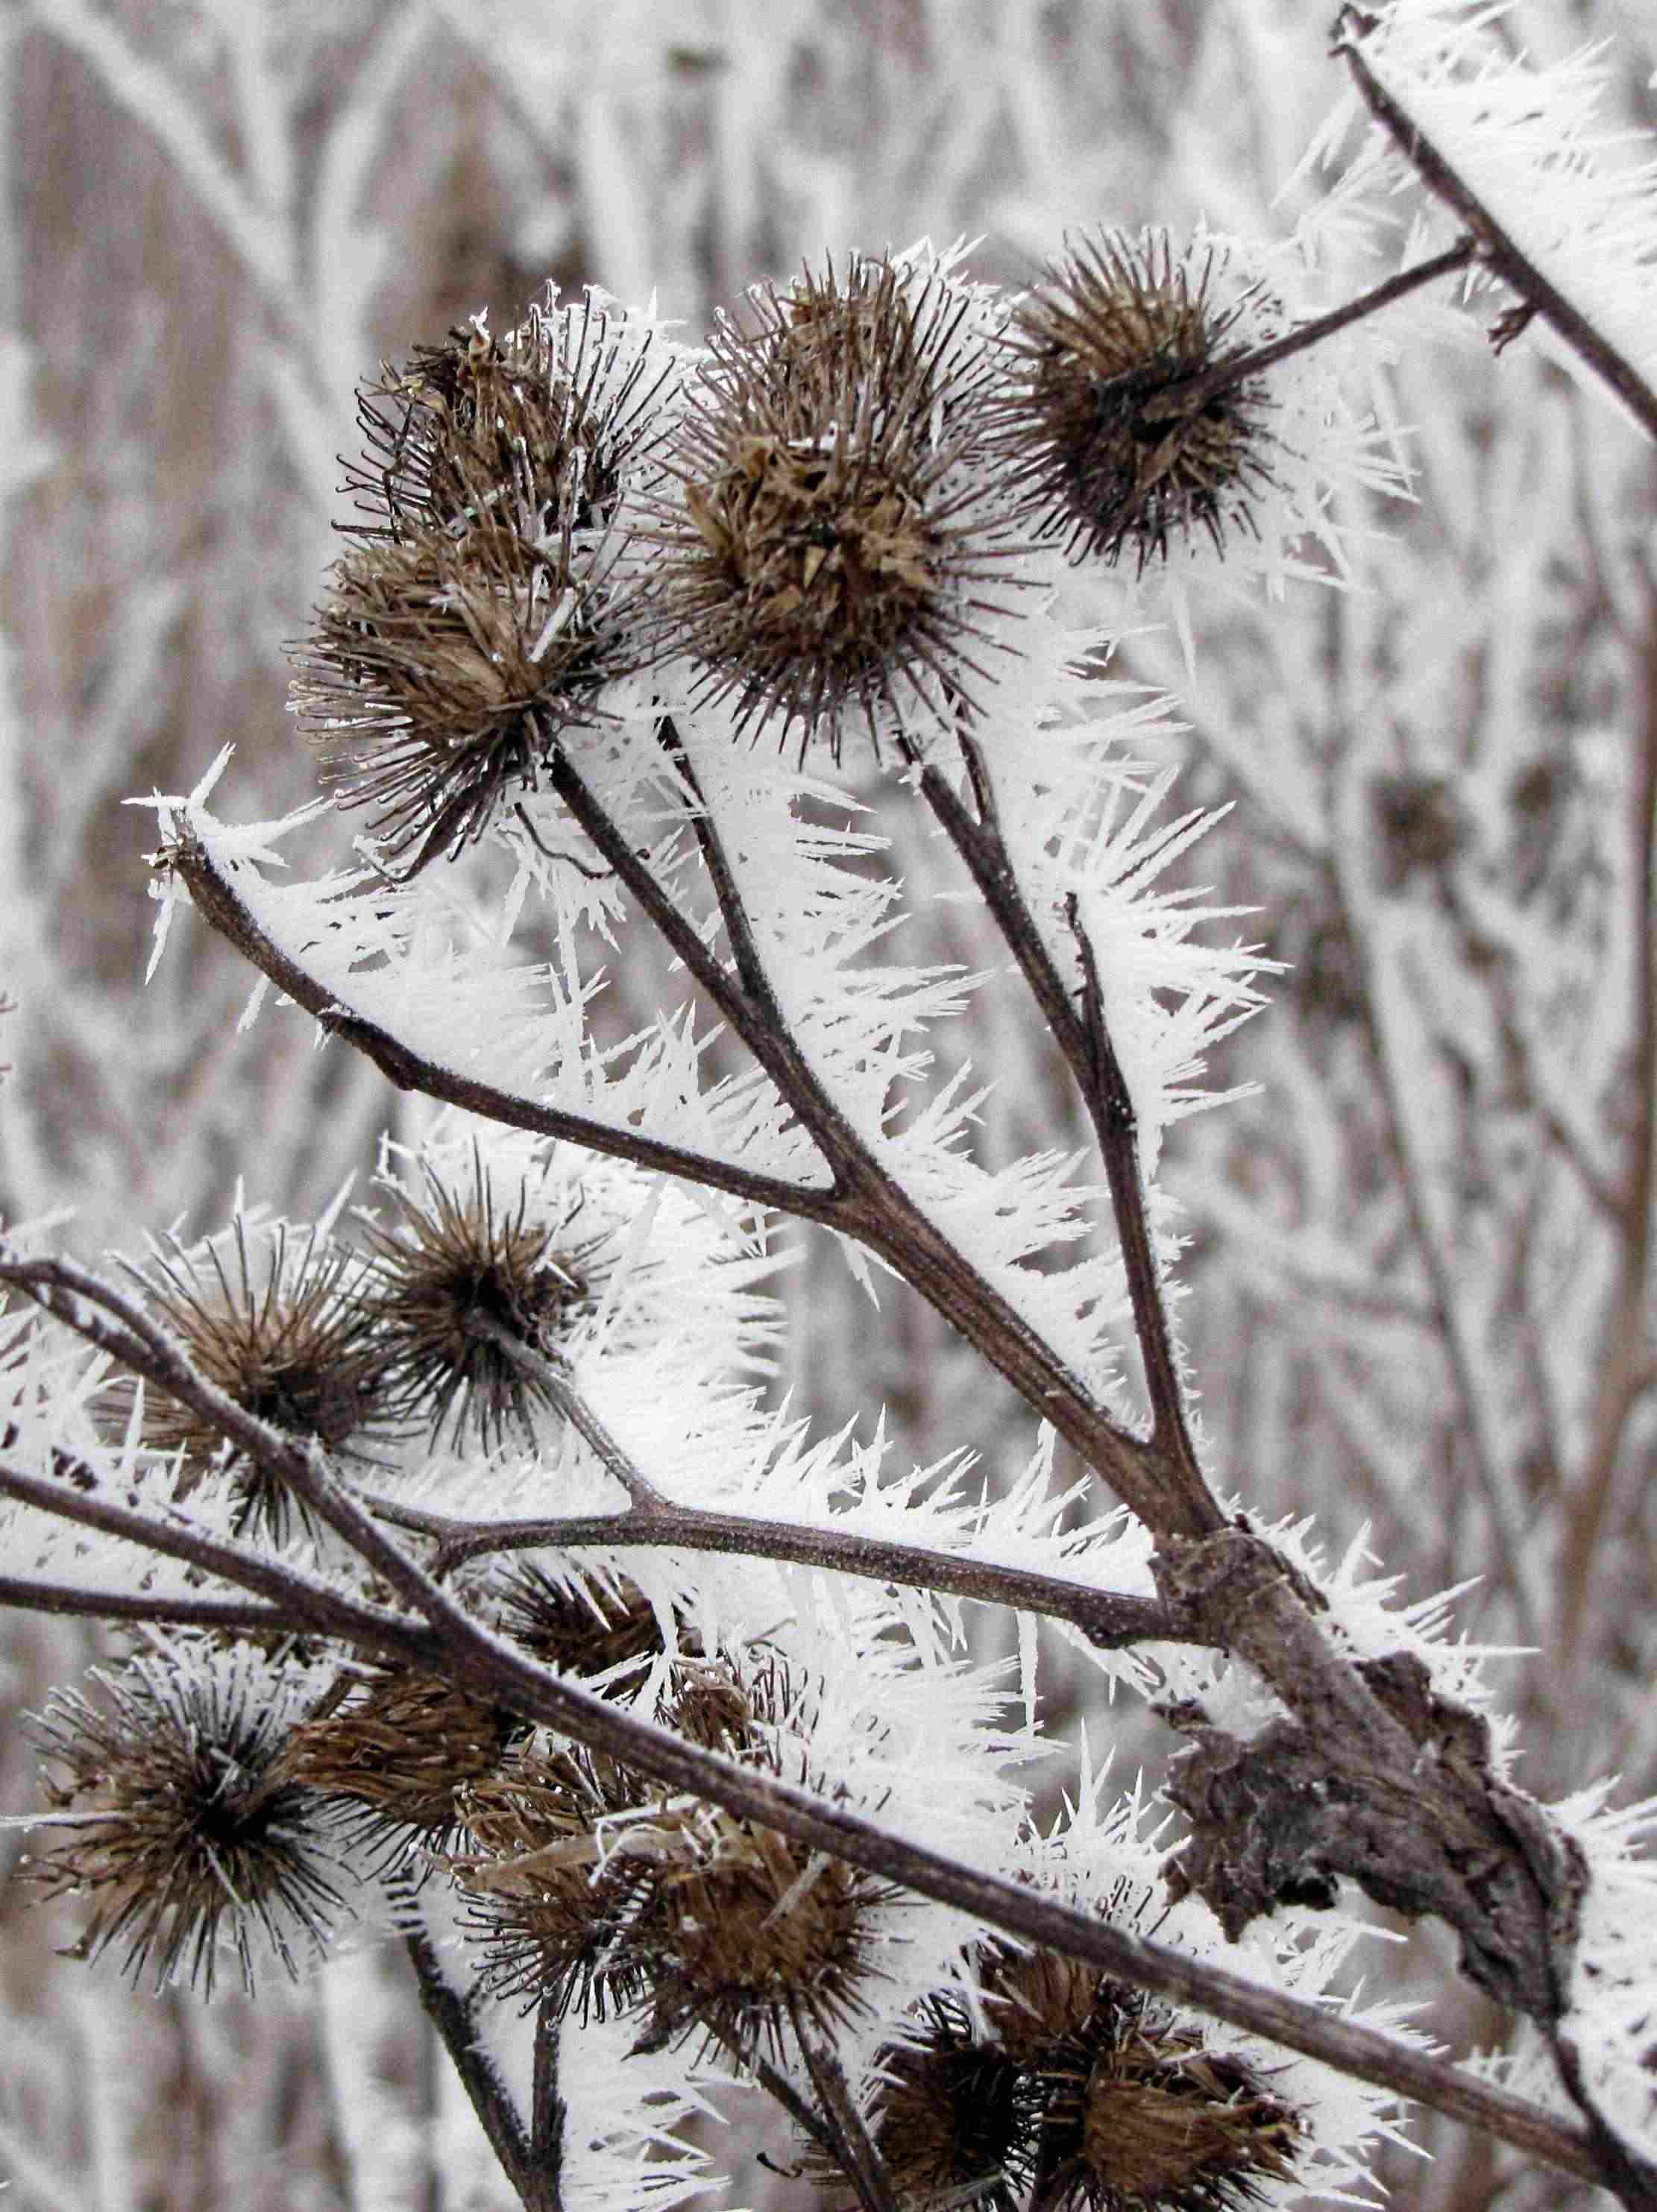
862, 1028
415, 961
625, 2142
1610, 2018
1530, 143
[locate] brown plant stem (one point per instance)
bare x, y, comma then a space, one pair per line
862, 1202
1113, 1620
215, 898
471, 1656
1084, 1040
861, 2161
1496, 249
222, 1615
1237, 369
533, 2174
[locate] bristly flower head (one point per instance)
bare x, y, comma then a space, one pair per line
283, 1334
839, 530
482, 610
462, 1283
181, 1822
582, 1627
1082, 2090
397, 1750
1114, 453
592, 1893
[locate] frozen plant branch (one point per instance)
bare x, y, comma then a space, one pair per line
571, 1617
1114, 1620
1497, 250
464, 1652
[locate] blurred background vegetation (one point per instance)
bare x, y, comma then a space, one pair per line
1420, 1282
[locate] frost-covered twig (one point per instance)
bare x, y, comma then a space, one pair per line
1111, 1620
530, 2165
1497, 249
471, 1655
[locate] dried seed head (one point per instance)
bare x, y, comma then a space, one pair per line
546, 1928
399, 1750
188, 1831
838, 530
1083, 2090
591, 1892
458, 1283
1420, 826
284, 1333
953, 2112
482, 611
587, 1629
553, 417
1112, 456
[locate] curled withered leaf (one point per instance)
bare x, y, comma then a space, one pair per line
1107, 443
184, 1828
838, 532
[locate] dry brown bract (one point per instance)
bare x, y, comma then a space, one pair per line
839, 530
281, 1330
456, 1283
1109, 450
1078, 2094
189, 1833
482, 611
592, 1893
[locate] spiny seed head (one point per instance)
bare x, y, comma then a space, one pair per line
1110, 454
546, 1929
482, 610
282, 1331
1082, 2090
188, 1832
582, 1629
838, 531
554, 415
398, 1750
591, 1894
952, 2113
460, 1281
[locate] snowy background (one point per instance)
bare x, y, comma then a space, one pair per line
1420, 1282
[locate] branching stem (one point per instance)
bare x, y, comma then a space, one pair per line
1496, 250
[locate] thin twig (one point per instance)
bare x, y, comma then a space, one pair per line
216, 900
1113, 1620
868, 1205
1496, 249
863, 2165
559, 1387
547, 2111
1195, 392
1186, 1505
865, 1205
451, 2014
1118, 1123
298, 1604
224, 1614
777, 2086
